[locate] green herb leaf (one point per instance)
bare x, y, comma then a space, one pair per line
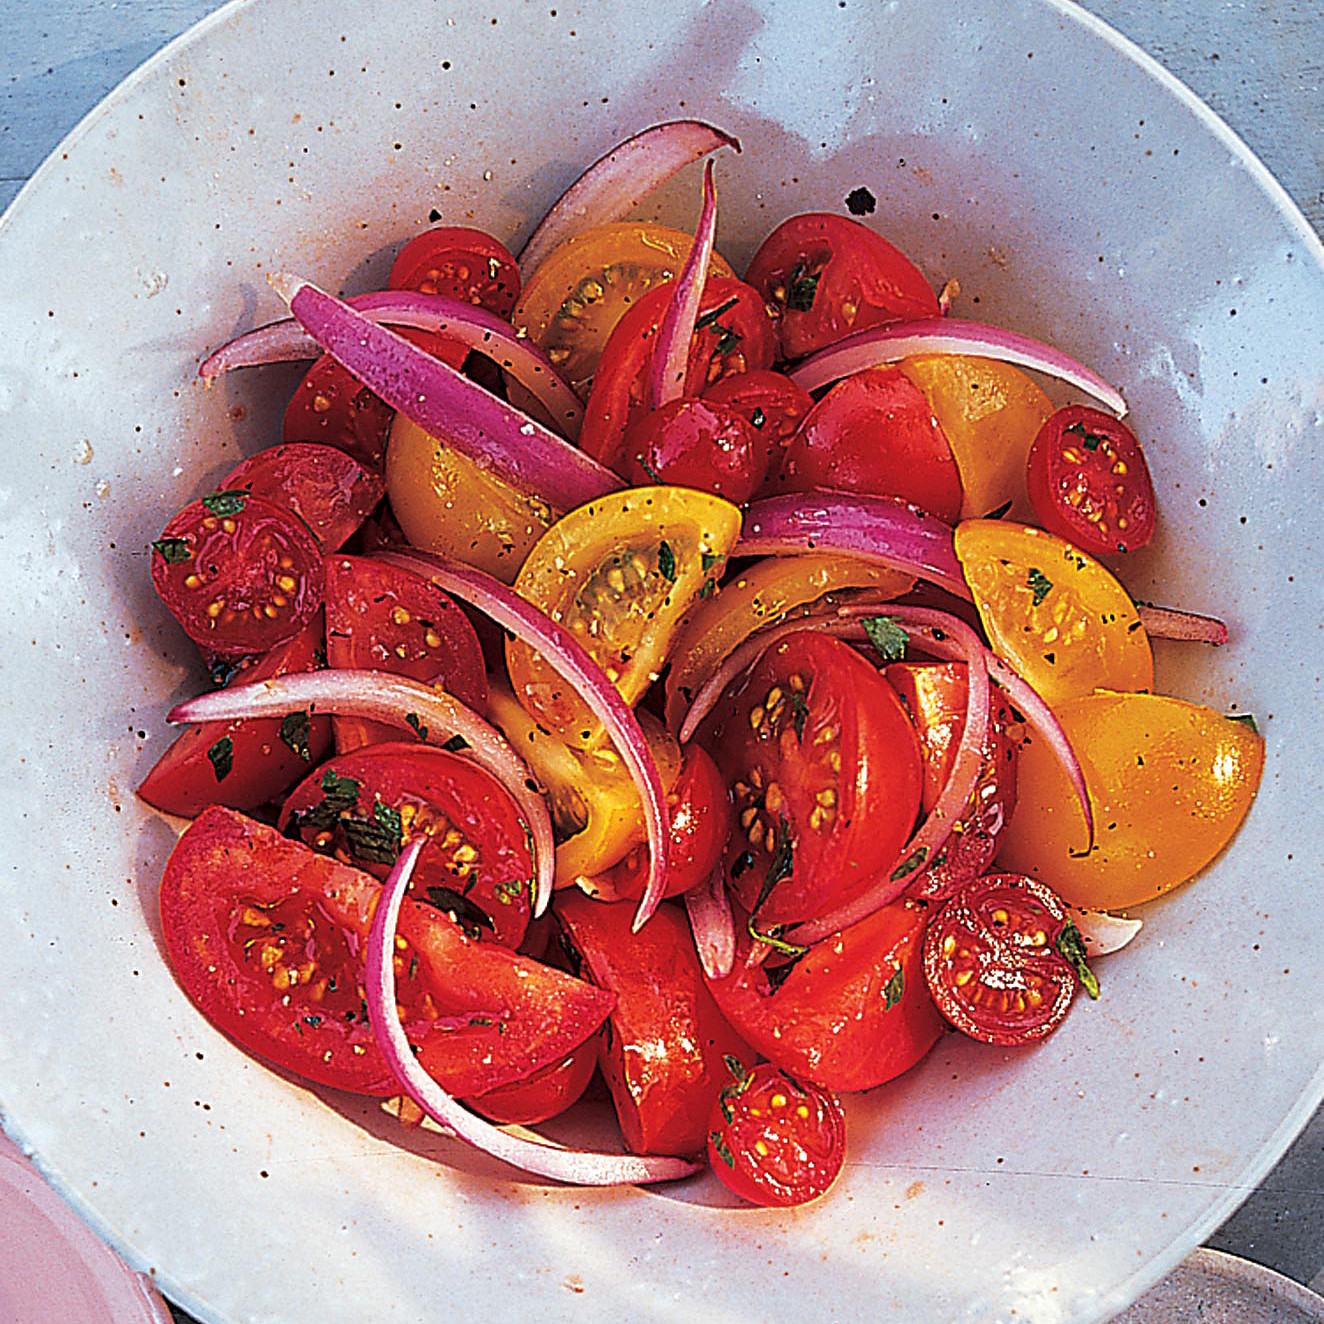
338, 795
799, 713
773, 938
648, 469
1071, 947
721, 1148
666, 562
294, 731
1246, 719
893, 989
173, 551
1090, 440
758, 418
728, 341
455, 744
887, 636
801, 288
415, 723
221, 755
910, 863
470, 916
374, 840
226, 503
709, 559
743, 861
779, 867
710, 317
1039, 584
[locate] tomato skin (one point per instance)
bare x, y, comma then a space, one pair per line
853, 1012
546, 1093
1089, 483
327, 488
775, 1141
825, 772
479, 1015
824, 276
732, 341
262, 764
462, 263
238, 573
477, 850
702, 818
662, 1055
992, 962
385, 618
699, 443
772, 402
874, 432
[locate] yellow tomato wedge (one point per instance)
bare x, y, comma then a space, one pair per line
1054, 613
1169, 781
990, 413
591, 796
575, 298
618, 573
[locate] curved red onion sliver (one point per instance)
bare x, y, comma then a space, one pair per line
950, 335
671, 350
713, 925
871, 528
1188, 626
382, 697
445, 403
580, 1167
1100, 930
574, 664
616, 182
286, 340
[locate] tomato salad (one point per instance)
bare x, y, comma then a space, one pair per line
706, 688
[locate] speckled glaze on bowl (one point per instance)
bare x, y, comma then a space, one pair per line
1080, 195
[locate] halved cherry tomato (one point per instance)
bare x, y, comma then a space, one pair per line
996, 961
239, 574
699, 443
850, 1013
585, 286
388, 619
546, 1093
1170, 783
732, 335
1089, 482
990, 413
461, 263
333, 407
824, 276
247, 762
266, 938
773, 1140
618, 573
874, 432
772, 402
762, 595
1052, 611
326, 487
445, 502
591, 796
662, 1054
365, 807
824, 768
701, 823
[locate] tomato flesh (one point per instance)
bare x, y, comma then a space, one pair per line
461, 263
773, 1140
773, 404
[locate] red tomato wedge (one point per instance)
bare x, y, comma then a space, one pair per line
663, 1052
239, 574
327, 488
546, 1093
388, 619
824, 276
773, 1140
852, 1012
773, 404
824, 769
1001, 960
364, 807
247, 762
266, 938
461, 263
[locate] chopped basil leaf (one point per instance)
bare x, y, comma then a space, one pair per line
779, 867
416, 723
910, 863
338, 794
1039, 584
455, 744
887, 636
799, 713
173, 551
893, 989
721, 1148
758, 418
648, 469
471, 918
709, 559
294, 731
374, 840
710, 317
666, 562
773, 938
1090, 440
742, 862
801, 289
221, 755
1246, 719
229, 502
728, 340
1071, 946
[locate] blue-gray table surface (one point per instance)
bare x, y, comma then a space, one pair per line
1258, 63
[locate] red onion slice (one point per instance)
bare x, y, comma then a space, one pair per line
713, 925
1101, 931
382, 697
950, 335
671, 351
574, 664
540, 1159
1188, 626
286, 340
445, 403
612, 186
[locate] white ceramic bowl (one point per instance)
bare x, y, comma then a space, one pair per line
1080, 195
